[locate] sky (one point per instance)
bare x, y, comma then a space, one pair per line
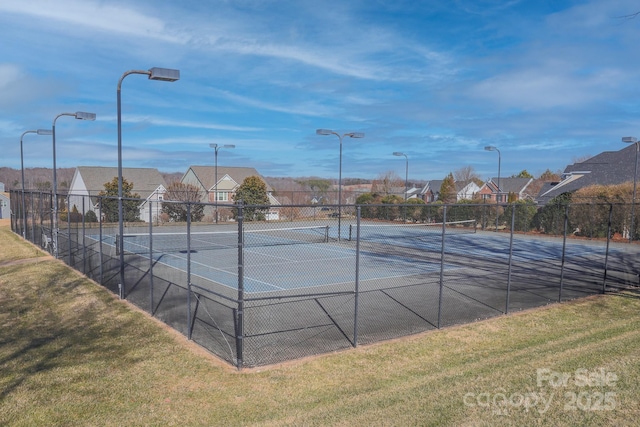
547, 82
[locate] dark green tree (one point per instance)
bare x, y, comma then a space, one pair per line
90, 216
448, 190
550, 218
368, 199
189, 196
253, 193
130, 201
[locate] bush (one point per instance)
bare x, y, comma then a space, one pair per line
90, 216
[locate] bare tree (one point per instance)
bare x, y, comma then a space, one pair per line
387, 183
466, 174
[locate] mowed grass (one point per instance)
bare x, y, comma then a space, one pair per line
71, 353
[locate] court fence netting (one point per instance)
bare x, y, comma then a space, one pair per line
267, 284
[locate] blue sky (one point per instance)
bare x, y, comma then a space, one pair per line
545, 81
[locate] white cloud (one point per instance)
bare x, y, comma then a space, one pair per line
106, 16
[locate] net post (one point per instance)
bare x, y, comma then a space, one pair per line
326, 234
240, 313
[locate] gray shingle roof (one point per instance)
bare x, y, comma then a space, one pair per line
206, 174
145, 180
512, 185
433, 185
607, 168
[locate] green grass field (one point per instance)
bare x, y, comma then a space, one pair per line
71, 353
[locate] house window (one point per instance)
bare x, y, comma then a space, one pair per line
223, 196
160, 197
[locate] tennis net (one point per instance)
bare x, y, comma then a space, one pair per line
140, 243
408, 231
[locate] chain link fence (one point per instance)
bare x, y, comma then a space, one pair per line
276, 283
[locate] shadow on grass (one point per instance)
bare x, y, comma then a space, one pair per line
53, 320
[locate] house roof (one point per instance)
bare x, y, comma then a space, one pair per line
145, 180
207, 175
606, 168
433, 185
510, 185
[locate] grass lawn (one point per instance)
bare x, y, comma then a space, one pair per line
71, 353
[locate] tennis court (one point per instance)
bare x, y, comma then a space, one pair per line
275, 259
258, 293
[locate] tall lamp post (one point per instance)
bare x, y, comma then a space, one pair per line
633, 140
79, 115
162, 74
493, 148
350, 135
406, 173
24, 209
217, 148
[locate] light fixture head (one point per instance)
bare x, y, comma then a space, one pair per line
229, 146
490, 148
324, 132
397, 153
629, 139
44, 132
355, 135
164, 74
81, 115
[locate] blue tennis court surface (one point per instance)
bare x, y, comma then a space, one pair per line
483, 244
292, 266
305, 265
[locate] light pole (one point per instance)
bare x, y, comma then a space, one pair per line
492, 148
406, 173
350, 135
80, 115
217, 148
24, 210
633, 140
162, 74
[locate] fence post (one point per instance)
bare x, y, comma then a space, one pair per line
68, 229
151, 257
513, 222
84, 242
240, 314
100, 237
564, 248
357, 286
189, 270
606, 254
444, 221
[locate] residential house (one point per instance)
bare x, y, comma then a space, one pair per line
606, 168
221, 189
510, 188
89, 181
431, 191
466, 190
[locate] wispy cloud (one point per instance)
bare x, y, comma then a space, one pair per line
94, 15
